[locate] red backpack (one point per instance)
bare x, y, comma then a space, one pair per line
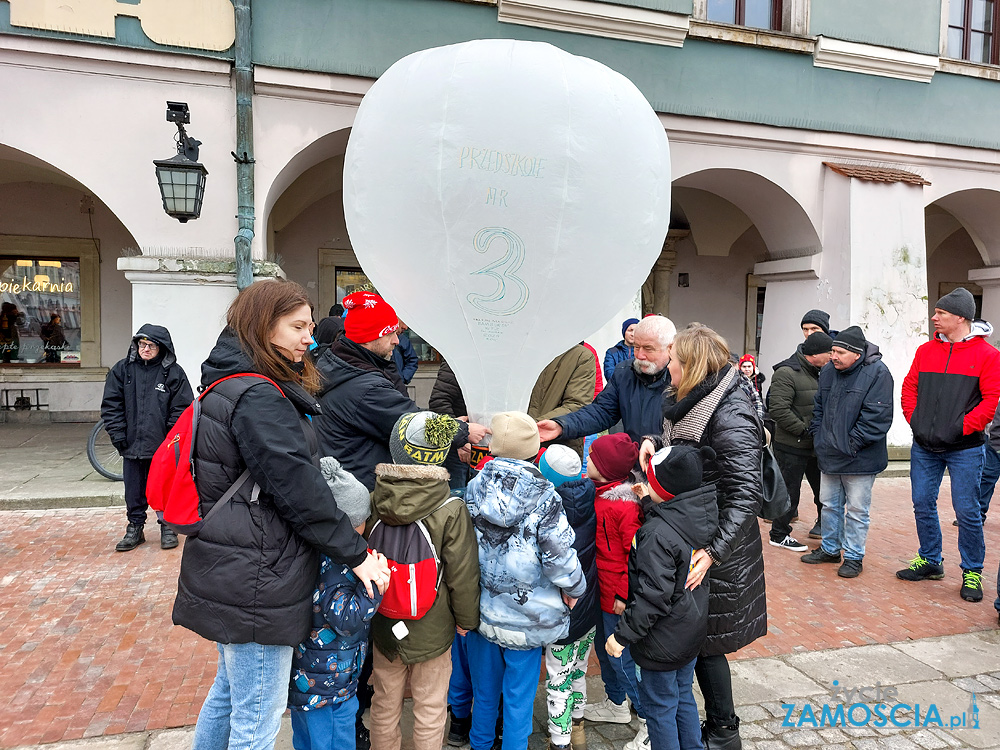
171, 486
414, 565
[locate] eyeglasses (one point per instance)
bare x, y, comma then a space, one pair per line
148, 345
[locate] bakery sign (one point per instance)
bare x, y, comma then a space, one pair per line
192, 24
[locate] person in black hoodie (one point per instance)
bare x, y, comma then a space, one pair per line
665, 622
247, 578
566, 660
144, 394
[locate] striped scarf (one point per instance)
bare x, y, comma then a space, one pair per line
692, 425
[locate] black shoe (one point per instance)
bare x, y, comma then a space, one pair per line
850, 569
168, 537
819, 556
972, 585
458, 730
921, 569
364, 739
816, 532
132, 539
721, 736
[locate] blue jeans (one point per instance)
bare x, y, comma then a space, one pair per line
328, 728
244, 705
846, 499
621, 680
500, 671
671, 713
965, 467
460, 685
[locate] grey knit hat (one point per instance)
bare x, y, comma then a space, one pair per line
959, 302
352, 497
422, 437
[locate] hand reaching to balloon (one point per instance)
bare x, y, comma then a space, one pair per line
477, 432
549, 430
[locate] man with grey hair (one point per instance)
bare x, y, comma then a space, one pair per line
632, 395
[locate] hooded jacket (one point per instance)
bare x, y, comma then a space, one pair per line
526, 555
326, 666
852, 415
404, 494
619, 516
950, 393
405, 358
249, 575
790, 402
620, 352
664, 623
143, 399
566, 384
577, 497
630, 397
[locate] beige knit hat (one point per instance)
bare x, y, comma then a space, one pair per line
515, 435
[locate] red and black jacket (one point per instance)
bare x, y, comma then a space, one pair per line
951, 392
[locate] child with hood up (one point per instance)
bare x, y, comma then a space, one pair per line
530, 578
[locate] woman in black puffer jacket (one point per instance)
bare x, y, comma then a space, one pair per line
247, 578
707, 406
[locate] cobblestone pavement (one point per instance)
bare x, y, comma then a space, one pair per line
87, 648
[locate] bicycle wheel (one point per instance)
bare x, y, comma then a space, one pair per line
102, 454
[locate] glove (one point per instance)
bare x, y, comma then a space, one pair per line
120, 446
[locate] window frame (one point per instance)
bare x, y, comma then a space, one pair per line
967, 31
777, 16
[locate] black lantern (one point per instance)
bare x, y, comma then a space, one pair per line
182, 178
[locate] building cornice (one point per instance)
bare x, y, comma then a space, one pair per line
597, 19
330, 88
869, 59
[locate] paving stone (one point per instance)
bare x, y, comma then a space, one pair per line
752, 713
774, 709
776, 727
993, 700
833, 734
753, 731
803, 738
958, 656
927, 740
853, 668
763, 680
770, 745
616, 732
859, 731
990, 683
968, 684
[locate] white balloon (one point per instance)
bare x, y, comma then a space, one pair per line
506, 198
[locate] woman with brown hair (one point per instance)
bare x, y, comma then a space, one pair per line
706, 405
247, 578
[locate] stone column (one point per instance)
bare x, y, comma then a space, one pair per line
190, 297
989, 280
656, 289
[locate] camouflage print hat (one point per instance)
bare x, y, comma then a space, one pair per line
422, 437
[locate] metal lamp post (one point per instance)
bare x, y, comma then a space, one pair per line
181, 178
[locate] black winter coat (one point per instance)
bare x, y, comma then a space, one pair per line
737, 611
142, 400
249, 575
578, 503
634, 399
852, 415
664, 623
446, 396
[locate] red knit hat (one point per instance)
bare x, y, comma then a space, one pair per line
369, 317
614, 456
748, 358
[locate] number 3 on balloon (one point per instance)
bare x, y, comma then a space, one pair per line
503, 271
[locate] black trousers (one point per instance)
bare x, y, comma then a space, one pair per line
793, 467
136, 471
716, 683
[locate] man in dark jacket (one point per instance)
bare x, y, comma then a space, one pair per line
403, 355
633, 395
790, 405
144, 394
851, 417
359, 396
949, 397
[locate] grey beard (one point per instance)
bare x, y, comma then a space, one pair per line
637, 365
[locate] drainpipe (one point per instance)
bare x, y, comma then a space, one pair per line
244, 146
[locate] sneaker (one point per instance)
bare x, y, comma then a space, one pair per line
921, 569
816, 532
972, 585
363, 738
850, 569
790, 544
819, 556
641, 740
132, 539
608, 712
458, 730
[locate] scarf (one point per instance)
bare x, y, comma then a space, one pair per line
687, 419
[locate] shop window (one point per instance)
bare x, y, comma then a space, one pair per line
41, 316
758, 14
972, 28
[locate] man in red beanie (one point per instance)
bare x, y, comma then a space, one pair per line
619, 516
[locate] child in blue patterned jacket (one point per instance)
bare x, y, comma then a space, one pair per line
530, 578
325, 667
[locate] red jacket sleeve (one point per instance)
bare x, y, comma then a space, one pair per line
909, 396
630, 522
989, 386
